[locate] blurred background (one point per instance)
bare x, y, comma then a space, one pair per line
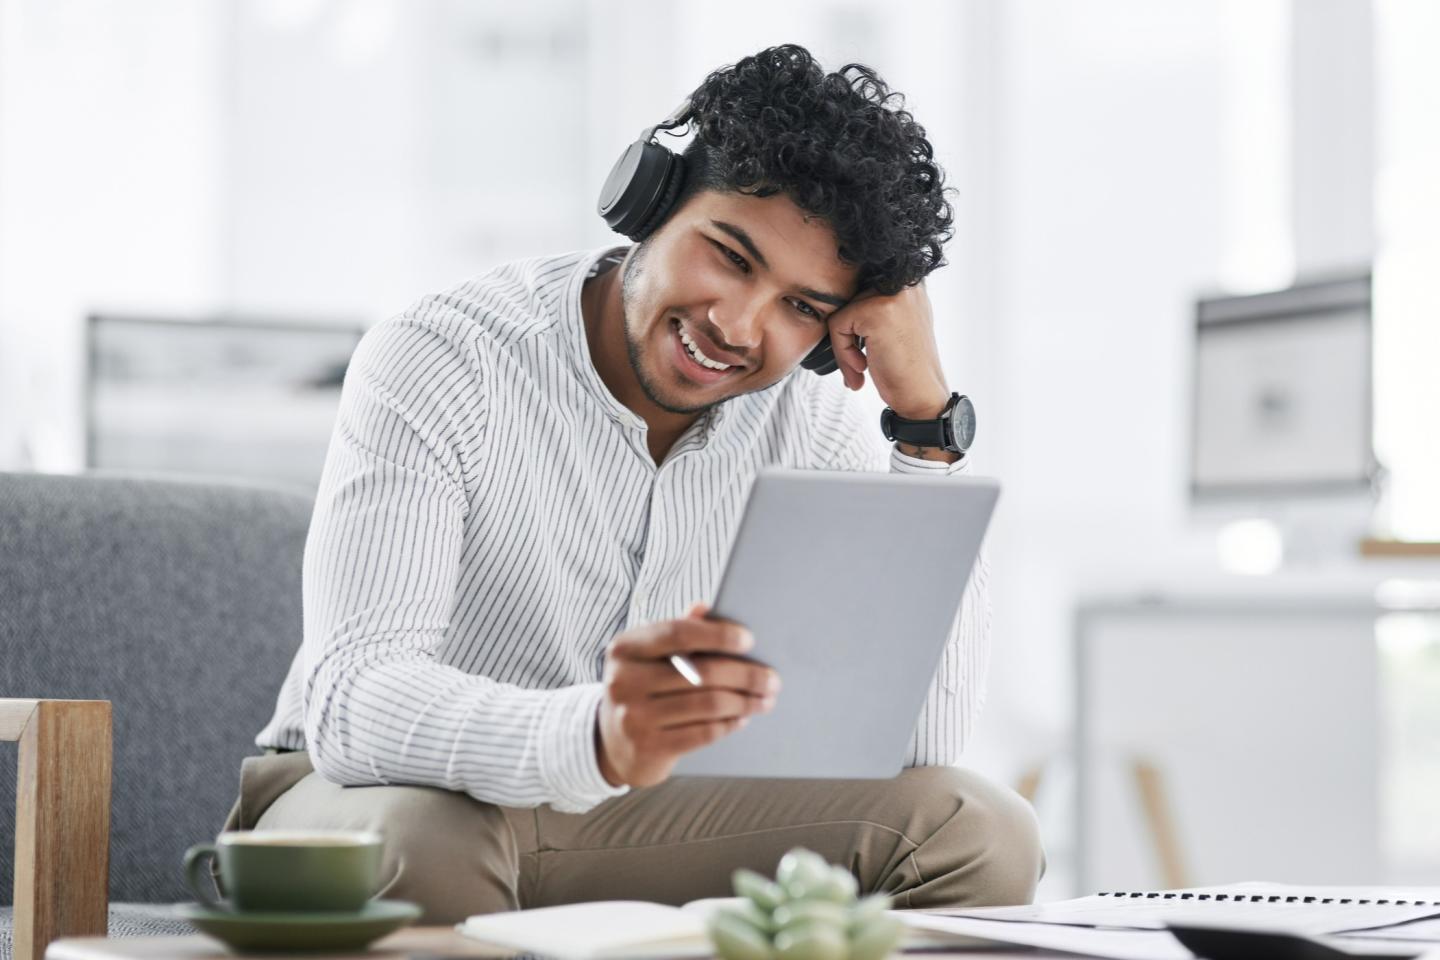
1193, 293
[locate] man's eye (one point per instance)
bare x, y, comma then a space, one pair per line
735, 258
806, 309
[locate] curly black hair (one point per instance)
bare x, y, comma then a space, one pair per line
840, 145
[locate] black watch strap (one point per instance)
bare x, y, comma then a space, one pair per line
922, 433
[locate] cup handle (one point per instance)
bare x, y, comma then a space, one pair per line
196, 872
385, 888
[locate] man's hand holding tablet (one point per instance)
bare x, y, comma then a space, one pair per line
652, 714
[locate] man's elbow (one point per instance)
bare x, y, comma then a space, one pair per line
330, 762
333, 753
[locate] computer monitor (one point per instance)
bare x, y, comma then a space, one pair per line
1282, 403
240, 398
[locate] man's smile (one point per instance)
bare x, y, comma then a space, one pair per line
697, 359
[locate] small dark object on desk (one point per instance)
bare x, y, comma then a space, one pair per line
1217, 943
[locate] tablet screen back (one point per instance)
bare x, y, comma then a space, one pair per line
850, 583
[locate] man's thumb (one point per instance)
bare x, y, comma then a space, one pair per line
697, 611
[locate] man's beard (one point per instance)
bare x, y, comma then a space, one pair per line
628, 276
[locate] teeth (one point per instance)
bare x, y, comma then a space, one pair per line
700, 358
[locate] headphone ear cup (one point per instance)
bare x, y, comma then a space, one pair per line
633, 198
674, 180
822, 358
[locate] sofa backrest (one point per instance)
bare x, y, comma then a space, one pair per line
178, 601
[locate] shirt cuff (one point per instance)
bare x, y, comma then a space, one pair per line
904, 463
568, 764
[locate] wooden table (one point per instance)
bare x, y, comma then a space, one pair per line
414, 942
439, 941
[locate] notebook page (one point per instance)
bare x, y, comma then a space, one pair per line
1427, 931
1305, 910
594, 931
1095, 942
1120, 944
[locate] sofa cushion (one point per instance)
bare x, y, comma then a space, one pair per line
177, 600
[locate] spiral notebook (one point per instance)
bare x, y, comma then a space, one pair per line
1298, 909
1132, 925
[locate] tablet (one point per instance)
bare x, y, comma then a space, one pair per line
850, 583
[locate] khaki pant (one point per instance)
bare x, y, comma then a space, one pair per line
933, 836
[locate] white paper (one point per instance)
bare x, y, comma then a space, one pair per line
1427, 931
1123, 944
629, 928
1376, 947
1117, 944
594, 931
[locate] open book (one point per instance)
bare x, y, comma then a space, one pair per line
628, 928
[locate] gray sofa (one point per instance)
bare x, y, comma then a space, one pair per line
177, 601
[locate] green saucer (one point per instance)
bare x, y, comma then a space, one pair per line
301, 931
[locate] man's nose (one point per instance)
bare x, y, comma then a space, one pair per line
740, 321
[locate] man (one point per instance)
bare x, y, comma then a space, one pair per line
534, 476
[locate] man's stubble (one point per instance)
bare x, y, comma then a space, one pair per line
629, 276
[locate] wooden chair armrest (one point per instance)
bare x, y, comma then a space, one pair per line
62, 819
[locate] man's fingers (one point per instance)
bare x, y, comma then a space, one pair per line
848, 355
847, 349
660, 678
699, 706
656, 640
696, 735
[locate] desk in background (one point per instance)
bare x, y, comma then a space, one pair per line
1238, 733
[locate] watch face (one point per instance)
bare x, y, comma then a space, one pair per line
962, 423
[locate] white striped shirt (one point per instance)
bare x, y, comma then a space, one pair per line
489, 516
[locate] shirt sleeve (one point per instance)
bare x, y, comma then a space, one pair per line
381, 567
847, 439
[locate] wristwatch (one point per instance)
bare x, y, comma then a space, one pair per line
953, 430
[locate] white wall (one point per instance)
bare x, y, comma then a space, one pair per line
1105, 222
382, 149
110, 180
1408, 228
326, 131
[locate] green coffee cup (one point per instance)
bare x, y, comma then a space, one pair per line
329, 871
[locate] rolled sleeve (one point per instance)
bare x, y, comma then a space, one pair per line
904, 463
568, 761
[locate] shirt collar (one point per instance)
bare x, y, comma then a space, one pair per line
579, 344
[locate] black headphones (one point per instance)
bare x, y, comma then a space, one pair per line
641, 190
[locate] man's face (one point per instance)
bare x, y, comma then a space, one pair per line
749, 281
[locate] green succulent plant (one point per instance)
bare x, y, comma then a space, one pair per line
810, 911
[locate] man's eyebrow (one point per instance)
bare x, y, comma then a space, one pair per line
830, 298
744, 240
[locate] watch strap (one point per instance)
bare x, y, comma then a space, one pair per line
923, 433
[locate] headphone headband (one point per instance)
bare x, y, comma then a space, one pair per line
678, 117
